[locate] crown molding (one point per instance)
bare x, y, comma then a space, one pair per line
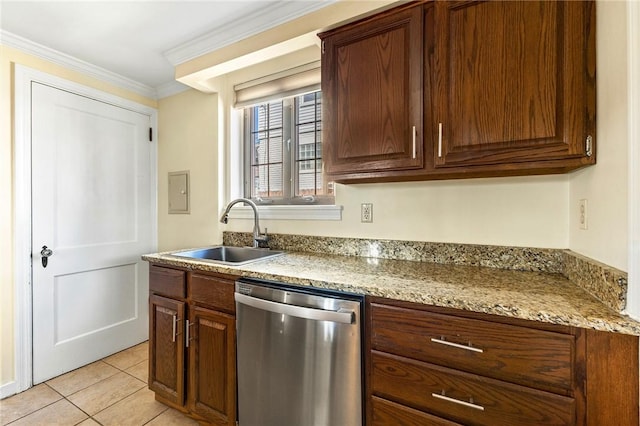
256, 22
75, 64
170, 88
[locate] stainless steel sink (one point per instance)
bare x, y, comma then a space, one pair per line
228, 255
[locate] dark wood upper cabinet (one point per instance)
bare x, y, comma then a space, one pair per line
513, 82
372, 94
502, 88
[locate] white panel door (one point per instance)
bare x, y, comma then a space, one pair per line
92, 207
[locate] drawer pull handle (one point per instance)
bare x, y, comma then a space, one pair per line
456, 345
188, 338
176, 331
469, 404
174, 324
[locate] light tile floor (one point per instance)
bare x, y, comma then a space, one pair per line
112, 391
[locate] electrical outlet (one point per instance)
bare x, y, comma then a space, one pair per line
366, 213
583, 214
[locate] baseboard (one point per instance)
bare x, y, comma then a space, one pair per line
8, 389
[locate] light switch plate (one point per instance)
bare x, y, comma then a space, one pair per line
179, 192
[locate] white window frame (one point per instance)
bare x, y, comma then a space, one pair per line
325, 212
236, 155
290, 147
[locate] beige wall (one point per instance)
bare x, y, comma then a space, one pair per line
8, 58
522, 211
525, 211
187, 137
605, 185
508, 211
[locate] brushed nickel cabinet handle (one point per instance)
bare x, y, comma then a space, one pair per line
439, 140
413, 132
442, 341
469, 404
174, 323
187, 333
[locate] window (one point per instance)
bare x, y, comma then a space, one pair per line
283, 146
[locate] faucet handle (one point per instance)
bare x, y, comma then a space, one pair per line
263, 238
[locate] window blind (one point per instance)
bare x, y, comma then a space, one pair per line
291, 82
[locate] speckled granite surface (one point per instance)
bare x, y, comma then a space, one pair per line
607, 284
519, 258
602, 281
536, 296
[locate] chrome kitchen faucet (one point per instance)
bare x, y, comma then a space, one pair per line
257, 236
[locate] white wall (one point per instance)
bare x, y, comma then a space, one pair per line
605, 185
633, 79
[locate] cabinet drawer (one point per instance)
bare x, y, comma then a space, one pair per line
212, 291
530, 357
387, 413
168, 282
466, 398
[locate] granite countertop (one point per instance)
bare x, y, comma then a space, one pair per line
536, 296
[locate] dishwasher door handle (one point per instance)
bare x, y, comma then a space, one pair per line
343, 316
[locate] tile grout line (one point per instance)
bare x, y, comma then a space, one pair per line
86, 387
70, 402
120, 400
159, 414
117, 370
127, 373
41, 408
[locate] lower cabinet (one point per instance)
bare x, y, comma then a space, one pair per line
425, 365
438, 366
212, 365
464, 397
192, 359
389, 413
166, 349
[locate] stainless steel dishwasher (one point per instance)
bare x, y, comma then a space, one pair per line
299, 356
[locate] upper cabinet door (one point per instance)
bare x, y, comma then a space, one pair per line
372, 85
514, 82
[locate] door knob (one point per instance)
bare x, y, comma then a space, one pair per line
45, 253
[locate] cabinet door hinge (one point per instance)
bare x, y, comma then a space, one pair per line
589, 146
150, 134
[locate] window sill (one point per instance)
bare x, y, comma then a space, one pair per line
289, 212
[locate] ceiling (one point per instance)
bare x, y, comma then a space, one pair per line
144, 40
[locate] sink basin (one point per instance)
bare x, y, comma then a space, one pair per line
228, 255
